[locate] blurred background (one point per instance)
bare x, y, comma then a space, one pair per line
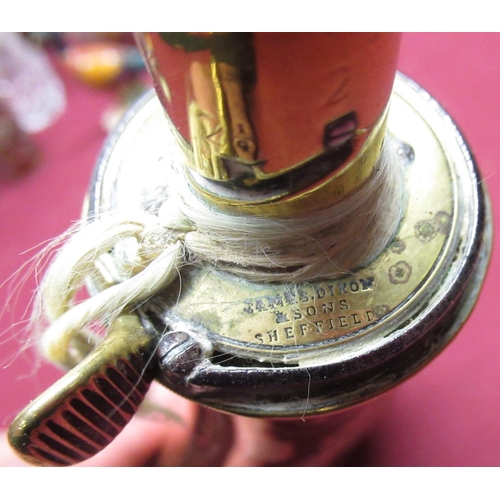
71, 89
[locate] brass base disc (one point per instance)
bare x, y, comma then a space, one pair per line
284, 350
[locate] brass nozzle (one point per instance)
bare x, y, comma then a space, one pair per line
275, 121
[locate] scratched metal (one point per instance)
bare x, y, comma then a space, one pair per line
405, 305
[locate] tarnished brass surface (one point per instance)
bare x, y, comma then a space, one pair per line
292, 316
266, 316
314, 347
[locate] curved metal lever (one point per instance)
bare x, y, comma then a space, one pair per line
86, 409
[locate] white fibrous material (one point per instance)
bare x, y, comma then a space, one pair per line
149, 250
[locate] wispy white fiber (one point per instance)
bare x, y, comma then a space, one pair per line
149, 250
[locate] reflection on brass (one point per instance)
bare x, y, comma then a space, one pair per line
218, 120
224, 143
84, 411
283, 193
218, 116
223, 78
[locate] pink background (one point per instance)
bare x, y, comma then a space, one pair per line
446, 415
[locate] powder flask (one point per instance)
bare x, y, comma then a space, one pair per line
289, 350
296, 349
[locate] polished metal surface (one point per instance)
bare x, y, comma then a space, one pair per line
299, 349
272, 122
87, 408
